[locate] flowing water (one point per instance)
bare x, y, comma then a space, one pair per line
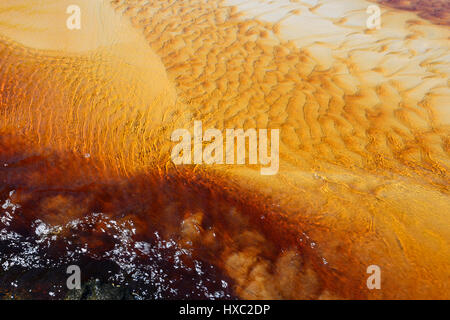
86, 176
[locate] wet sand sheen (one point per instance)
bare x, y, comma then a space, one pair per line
364, 134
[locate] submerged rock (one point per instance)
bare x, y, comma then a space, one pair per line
96, 290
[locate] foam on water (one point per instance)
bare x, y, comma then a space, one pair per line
364, 154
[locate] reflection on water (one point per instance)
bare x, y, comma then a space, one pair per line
160, 237
85, 174
153, 269
35, 254
53, 214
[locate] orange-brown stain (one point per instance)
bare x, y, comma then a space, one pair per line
364, 154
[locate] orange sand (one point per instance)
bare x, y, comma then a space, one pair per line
363, 117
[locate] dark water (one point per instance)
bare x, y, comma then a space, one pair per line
156, 236
53, 216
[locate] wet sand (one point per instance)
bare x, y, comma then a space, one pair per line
364, 150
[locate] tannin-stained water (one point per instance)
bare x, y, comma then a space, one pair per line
364, 156
159, 236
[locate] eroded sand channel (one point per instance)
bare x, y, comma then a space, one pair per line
364, 123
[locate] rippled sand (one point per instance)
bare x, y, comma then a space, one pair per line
86, 118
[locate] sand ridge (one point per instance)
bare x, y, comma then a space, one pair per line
361, 112
364, 133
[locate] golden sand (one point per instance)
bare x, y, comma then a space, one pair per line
363, 118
